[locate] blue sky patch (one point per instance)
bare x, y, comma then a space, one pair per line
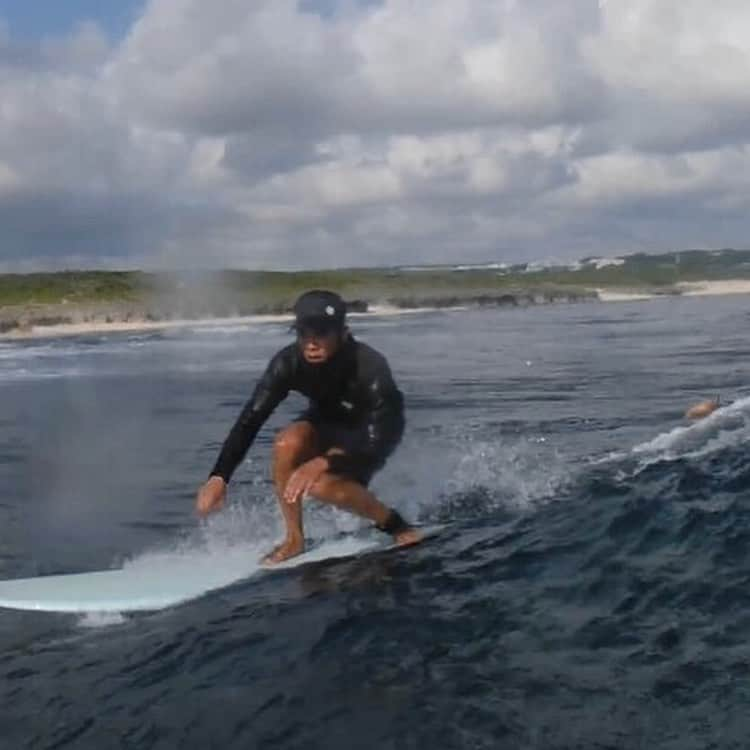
33, 19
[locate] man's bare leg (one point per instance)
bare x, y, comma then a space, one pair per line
352, 496
292, 447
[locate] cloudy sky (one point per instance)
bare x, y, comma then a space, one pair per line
308, 133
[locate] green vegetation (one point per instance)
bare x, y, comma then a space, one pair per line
71, 286
259, 291
391, 286
651, 272
81, 296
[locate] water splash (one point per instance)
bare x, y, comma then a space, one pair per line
491, 476
101, 619
727, 427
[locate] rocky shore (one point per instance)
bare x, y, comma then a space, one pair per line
66, 302
18, 321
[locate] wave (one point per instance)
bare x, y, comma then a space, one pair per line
497, 479
727, 427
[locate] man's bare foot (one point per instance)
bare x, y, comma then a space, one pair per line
407, 537
288, 548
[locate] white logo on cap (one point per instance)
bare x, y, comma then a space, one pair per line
330, 310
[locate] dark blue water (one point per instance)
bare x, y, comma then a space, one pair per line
592, 589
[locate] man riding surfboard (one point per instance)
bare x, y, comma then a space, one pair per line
354, 422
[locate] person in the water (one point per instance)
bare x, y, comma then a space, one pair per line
354, 422
703, 408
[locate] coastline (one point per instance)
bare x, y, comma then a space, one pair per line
714, 288
135, 325
613, 295
681, 289
139, 324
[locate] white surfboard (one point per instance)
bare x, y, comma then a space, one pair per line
162, 580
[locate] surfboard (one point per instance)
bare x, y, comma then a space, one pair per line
164, 580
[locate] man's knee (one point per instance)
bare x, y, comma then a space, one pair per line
328, 487
295, 439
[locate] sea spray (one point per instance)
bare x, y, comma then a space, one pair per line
727, 427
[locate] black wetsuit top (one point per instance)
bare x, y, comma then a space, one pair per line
354, 389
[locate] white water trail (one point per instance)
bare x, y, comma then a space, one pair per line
727, 427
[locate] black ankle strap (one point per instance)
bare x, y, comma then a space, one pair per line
393, 524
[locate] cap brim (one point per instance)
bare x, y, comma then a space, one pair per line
322, 324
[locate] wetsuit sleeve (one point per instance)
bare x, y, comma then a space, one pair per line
384, 426
271, 390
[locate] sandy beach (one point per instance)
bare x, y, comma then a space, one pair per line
692, 288
708, 288
683, 289
139, 326
610, 295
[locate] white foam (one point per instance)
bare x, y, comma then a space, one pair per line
702, 430
101, 619
726, 427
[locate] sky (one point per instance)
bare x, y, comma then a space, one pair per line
326, 133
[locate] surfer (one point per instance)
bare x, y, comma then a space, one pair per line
703, 408
354, 422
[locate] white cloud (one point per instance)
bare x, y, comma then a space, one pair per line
266, 133
676, 71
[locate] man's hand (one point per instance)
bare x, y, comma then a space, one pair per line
304, 478
211, 496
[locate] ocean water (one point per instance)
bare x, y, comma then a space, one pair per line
591, 588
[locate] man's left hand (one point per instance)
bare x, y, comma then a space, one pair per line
304, 478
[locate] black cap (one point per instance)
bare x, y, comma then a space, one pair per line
320, 309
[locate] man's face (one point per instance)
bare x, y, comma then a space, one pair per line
318, 344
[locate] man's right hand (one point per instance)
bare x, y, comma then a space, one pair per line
211, 496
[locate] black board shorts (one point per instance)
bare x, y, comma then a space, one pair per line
350, 439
